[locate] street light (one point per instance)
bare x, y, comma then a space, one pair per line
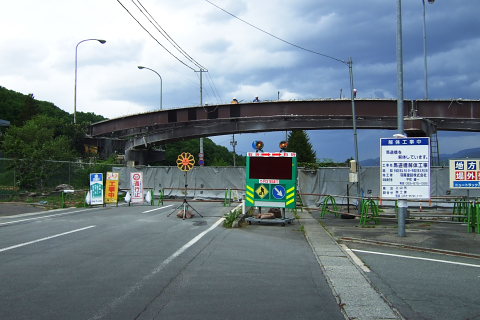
75, 90
161, 89
425, 48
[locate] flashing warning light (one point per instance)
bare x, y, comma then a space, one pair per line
257, 145
283, 145
185, 161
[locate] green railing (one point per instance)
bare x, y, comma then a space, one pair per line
369, 212
329, 205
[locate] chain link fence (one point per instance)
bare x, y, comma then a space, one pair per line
18, 175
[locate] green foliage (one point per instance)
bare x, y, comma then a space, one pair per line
231, 217
299, 142
19, 108
215, 155
41, 138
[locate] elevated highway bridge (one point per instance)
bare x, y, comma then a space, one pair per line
421, 118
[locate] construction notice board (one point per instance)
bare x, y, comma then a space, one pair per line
271, 179
465, 174
405, 168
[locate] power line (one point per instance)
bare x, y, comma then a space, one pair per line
274, 36
140, 24
214, 89
162, 31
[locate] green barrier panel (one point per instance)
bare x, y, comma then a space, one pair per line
161, 197
227, 200
477, 207
369, 212
461, 208
473, 218
329, 201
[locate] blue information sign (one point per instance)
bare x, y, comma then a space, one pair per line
279, 192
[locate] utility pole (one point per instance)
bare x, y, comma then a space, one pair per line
234, 144
201, 155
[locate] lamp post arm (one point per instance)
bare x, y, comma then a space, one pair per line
75, 87
161, 84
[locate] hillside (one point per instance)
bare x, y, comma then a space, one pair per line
19, 108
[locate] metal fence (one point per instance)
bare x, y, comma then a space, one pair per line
47, 176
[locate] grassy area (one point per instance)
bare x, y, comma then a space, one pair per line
51, 200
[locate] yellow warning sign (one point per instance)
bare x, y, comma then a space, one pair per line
262, 191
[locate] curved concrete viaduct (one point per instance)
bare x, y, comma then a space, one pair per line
422, 117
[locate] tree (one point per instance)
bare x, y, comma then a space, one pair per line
215, 155
299, 142
32, 145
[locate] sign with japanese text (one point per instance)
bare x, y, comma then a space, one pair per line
111, 187
136, 186
465, 174
96, 188
405, 168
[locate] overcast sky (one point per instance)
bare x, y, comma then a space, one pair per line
38, 41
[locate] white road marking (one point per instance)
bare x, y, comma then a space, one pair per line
355, 259
418, 258
43, 217
43, 239
116, 302
157, 209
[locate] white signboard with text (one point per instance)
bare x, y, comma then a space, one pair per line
465, 174
96, 188
405, 168
136, 187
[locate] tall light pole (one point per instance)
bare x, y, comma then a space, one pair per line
402, 203
425, 48
75, 89
161, 83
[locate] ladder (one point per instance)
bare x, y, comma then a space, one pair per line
434, 153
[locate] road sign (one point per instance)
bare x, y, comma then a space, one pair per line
271, 179
279, 192
405, 168
136, 187
111, 188
96, 188
464, 173
262, 191
185, 161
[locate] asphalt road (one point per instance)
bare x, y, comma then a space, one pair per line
133, 263
424, 285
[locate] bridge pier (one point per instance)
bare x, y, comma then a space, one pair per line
143, 156
419, 127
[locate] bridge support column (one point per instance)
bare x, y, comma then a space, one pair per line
420, 127
143, 156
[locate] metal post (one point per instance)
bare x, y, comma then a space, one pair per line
201, 104
354, 123
402, 204
425, 51
161, 84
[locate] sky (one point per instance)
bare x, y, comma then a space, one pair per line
39, 40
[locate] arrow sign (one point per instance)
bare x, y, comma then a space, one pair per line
279, 192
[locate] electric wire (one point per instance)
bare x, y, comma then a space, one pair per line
156, 40
162, 31
214, 89
274, 36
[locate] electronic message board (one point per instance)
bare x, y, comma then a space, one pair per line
271, 179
